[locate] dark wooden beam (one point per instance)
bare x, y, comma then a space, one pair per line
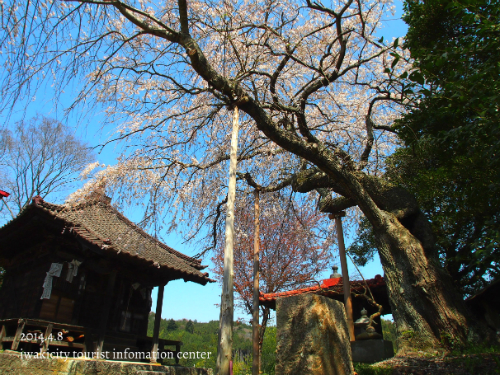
3, 333
89, 341
45, 344
17, 338
177, 351
105, 311
156, 330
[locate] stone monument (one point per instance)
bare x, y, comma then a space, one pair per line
312, 336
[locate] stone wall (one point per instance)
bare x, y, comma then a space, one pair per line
13, 364
312, 337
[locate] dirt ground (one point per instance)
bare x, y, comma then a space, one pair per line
417, 364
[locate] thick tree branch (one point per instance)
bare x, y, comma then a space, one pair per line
335, 205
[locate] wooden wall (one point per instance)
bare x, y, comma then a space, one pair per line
22, 288
79, 302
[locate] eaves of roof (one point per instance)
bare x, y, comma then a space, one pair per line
100, 224
328, 287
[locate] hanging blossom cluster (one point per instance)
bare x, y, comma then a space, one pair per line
293, 251
175, 123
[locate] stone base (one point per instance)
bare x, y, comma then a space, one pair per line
312, 337
13, 364
370, 351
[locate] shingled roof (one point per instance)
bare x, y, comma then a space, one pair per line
99, 223
333, 288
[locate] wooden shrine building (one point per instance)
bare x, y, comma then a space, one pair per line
333, 288
84, 274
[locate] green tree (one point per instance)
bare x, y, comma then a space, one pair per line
456, 47
459, 194
364, 246
309, 80
172, 325
189, 326
449, 159
451, 137
268, 357
389, 332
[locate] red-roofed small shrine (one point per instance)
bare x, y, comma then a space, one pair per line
333, 288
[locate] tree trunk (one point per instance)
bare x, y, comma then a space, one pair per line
422, 295
427, 307
262, 331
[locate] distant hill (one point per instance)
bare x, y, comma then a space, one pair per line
203, 338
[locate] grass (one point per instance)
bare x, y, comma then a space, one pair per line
366, 369
474, 359
473, 356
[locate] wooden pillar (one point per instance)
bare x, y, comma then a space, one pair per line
177, 351
156, 329
17, 338
103, 322
255, 305
2, 335
225, 346
89, 341
345, 274
46, 343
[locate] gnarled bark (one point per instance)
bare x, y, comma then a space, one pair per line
423, 297
428, 309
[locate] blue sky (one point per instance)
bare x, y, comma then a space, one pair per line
181, 300
191, 301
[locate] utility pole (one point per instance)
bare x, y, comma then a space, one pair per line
255, 305
345, 273
225, 346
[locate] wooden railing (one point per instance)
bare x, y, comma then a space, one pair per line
41, 332
38, 335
